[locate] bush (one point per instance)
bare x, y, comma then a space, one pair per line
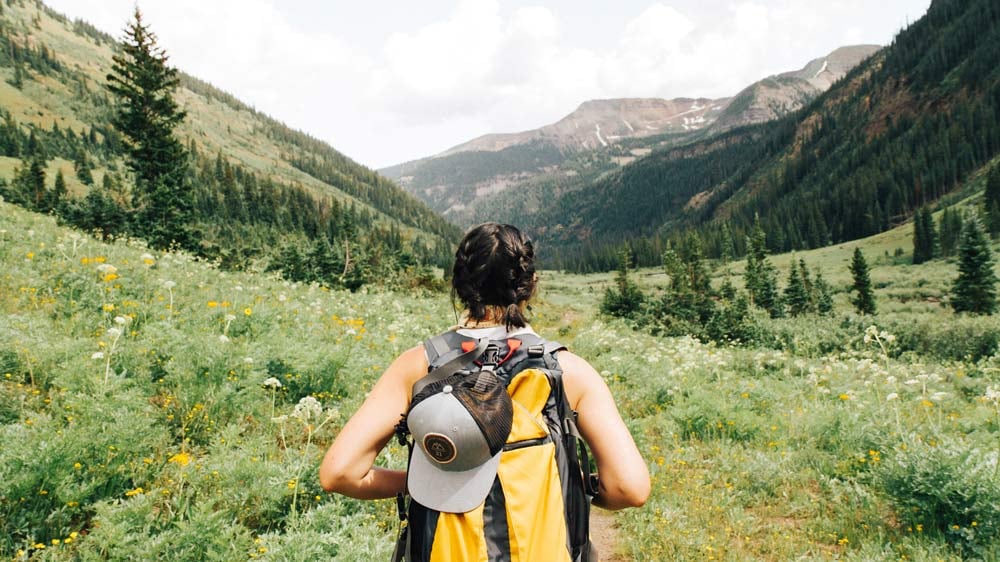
950, 488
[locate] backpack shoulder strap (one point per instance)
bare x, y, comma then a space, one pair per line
444, 365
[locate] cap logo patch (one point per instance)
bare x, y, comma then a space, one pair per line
439, 447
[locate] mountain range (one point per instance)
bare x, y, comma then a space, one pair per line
602, 134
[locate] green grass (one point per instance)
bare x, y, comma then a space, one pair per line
135, 421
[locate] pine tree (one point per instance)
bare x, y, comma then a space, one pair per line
975, 288
991, 201
924, 236
625, 298
949, 231
796, 296
760, 277
59, 190
29, 184
864, 301
807, 282
728, 249
824, 298
146, 115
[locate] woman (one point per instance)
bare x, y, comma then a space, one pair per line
494, 278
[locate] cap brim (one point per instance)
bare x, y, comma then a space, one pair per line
449, 492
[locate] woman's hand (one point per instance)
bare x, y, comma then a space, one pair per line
347, 466
624, 477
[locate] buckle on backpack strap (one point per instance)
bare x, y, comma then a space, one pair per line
536, 350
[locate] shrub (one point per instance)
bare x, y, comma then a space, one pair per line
950, 488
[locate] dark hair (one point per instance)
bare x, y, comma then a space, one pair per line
494, 267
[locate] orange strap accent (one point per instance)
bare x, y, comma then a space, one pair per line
468, 346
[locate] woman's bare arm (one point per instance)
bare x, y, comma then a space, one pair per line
347, 467
624, 477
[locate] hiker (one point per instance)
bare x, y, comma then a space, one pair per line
519, 495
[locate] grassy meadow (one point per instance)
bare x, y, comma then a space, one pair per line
154, 407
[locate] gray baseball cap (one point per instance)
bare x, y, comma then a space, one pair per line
459, 426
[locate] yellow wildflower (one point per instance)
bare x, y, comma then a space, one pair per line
180, 458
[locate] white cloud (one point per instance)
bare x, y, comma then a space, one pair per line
478, 66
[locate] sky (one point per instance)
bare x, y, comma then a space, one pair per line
390, 81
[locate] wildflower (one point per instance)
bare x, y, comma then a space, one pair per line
106, 269
134, 492
97, 355
77, 466
992, 394
892, 396
108, 307
114, 333
181, 458
248, 360
109, 277
307, 408
147, 259
272, 382
247, 311
213, 304
121, 320
168, 284
230, 318
223, 338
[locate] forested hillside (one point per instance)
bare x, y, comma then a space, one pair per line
896, 133
265, 196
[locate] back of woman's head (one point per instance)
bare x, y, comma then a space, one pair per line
494, 273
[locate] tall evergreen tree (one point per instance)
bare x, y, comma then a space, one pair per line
824, 298
991, 201
760, 277
864, 301
924, 236
625, 298
146, 115
949, 231
796, 296
975, 288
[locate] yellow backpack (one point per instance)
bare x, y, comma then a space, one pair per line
538, 506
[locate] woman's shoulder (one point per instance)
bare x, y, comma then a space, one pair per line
578, 376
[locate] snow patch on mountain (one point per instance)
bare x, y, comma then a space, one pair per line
598, 133
826, 65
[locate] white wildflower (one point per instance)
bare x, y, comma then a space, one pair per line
168, 284
106, 268
223, 338
248, 360
272, 382
892, 396
121, 320
230, 318
97, 355
938, 396
307, 408
114, 333
992, 394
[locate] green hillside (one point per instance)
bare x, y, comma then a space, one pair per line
264, 191
896, 133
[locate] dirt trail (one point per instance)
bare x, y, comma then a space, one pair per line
604, 535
